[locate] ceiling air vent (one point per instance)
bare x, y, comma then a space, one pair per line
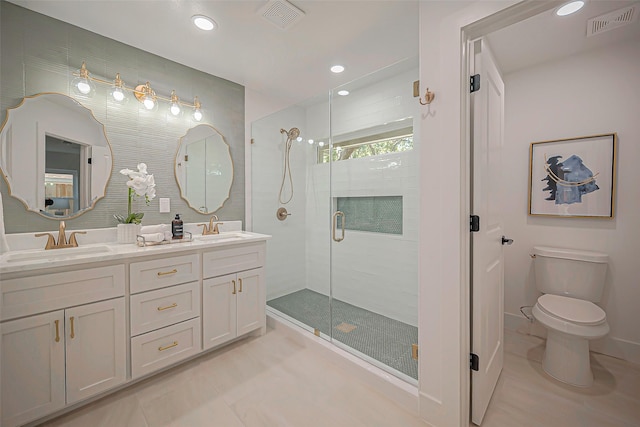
281, 13
611, 20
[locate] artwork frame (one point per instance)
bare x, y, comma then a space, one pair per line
573, 177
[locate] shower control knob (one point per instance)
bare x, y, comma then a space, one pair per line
506, 241
282, 214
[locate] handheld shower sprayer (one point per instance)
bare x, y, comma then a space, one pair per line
293, 133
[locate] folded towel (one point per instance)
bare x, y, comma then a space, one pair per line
153, 237
158, 228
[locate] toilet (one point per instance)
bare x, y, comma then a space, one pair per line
571, 282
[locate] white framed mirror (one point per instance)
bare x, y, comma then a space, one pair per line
204, 169
55, 155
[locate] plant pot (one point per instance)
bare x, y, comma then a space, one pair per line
127, 232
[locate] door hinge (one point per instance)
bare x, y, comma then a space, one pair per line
89, 160
474, 361
414, 351
186, 157
474, 223
474, 85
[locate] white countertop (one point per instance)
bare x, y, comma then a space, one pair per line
13, 261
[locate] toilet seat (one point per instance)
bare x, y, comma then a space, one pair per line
572, 310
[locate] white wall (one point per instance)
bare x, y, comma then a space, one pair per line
587, 94
286, 260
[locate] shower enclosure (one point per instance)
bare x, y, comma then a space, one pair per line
339, 195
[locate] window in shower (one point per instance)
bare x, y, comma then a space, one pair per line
376, 214
373, 145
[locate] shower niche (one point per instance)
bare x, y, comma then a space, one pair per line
344, 261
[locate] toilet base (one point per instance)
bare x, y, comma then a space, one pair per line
566, 358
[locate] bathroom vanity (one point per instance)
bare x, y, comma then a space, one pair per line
81, 322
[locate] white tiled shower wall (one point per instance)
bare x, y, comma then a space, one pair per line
375, 271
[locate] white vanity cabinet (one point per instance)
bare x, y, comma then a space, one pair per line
60, 357
165, 312
233, 303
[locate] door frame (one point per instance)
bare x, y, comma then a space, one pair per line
481, 27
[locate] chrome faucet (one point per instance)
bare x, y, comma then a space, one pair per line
211, 229
62, 238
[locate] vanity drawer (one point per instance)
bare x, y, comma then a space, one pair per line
224, 261
160, 273
36, 294
157, 349
157, 309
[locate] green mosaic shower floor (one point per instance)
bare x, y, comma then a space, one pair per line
381, 338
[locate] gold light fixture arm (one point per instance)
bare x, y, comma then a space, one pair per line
139, 91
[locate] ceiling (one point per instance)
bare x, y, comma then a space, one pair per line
293, 65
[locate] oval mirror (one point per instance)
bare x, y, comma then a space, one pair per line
54, 156
204, 169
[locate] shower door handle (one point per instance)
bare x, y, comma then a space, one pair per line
335, 226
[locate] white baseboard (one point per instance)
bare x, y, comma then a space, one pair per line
611, 346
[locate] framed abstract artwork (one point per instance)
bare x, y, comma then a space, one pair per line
573, 177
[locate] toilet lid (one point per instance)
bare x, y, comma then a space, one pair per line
571, 309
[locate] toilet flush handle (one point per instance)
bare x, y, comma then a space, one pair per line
506, 241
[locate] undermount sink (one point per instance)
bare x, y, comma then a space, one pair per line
53, 254
224, 237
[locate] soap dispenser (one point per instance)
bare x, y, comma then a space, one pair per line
177, 227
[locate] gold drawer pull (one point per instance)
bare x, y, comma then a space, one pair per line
164, 273
234, 287
73, 333
175, 343
57, 322
174, 305
240, 280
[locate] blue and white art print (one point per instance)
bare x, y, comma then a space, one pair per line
573, 177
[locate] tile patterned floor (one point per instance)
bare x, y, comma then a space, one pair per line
273, 381
527, 397
381, 338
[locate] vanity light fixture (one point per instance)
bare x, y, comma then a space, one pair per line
83, 85
569, 8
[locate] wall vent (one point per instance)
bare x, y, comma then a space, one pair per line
612, 20
281, 13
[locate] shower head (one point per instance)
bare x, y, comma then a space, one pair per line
292, 134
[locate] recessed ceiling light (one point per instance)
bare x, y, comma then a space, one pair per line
337, 69
204, 22
570, 8
343, 92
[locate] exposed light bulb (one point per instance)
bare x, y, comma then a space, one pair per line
84, 87
321, 143
117, 94
148, 103
197, 115
175, 109
310, 141
299, 139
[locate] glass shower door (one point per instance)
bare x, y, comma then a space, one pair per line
374, 219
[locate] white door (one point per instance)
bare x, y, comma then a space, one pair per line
95, 348
250, 302
487, 333
219, 310
32, 368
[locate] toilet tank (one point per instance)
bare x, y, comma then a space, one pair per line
570, 272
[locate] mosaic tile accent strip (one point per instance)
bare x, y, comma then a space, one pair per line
381, 338
377, 214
